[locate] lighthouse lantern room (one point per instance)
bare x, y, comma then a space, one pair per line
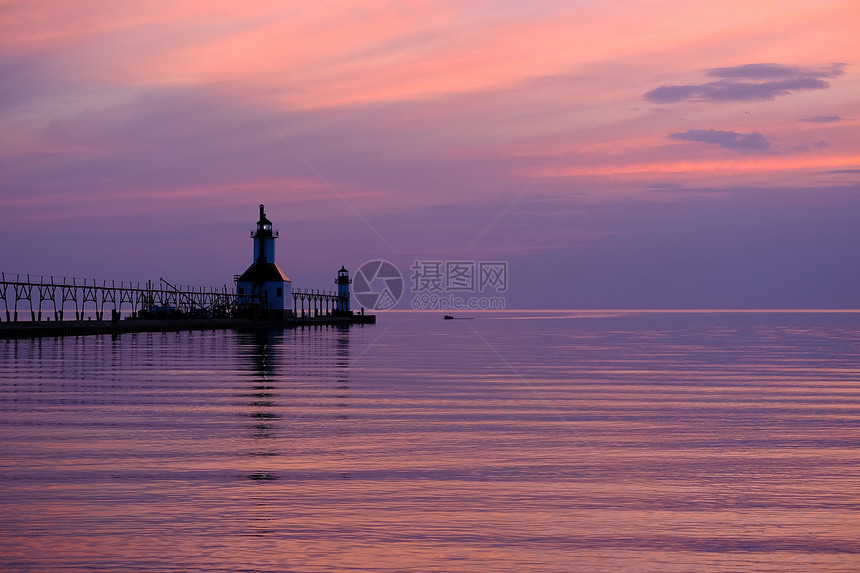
264, 287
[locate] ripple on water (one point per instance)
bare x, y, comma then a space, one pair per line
513, 442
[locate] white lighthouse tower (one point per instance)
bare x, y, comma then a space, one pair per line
264, 286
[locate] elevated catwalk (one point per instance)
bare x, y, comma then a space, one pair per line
49, 306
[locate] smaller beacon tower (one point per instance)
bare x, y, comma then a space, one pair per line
343, 291
264, 287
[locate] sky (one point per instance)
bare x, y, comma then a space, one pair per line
615, 154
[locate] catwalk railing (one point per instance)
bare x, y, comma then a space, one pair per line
318, 302
59, 297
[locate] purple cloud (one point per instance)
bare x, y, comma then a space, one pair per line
749, 82
776, 71
806, 147
824, 119
726, 139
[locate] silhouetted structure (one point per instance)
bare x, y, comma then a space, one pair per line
59, 298
261, 300
264, 289
343, 281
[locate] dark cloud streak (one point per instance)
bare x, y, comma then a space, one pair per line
772, 71
824, 119
750, 82
733, 140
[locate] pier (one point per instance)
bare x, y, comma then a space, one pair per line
12, 330
40, 306
52, 306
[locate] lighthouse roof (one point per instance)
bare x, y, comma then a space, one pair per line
261, 272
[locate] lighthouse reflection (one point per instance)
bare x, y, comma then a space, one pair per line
287, 405
297, 404
265, 360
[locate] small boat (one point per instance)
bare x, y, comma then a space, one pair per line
448, 317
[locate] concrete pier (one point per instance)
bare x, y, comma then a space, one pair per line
39, 329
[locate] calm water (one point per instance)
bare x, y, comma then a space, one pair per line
512, 442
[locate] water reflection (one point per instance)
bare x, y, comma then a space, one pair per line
263, 359
296, 375
283, 399
673, 443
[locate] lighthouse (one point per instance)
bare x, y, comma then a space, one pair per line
264, 287
343, 291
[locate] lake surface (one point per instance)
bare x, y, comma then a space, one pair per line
517, 441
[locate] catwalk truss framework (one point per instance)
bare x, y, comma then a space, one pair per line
57, 296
